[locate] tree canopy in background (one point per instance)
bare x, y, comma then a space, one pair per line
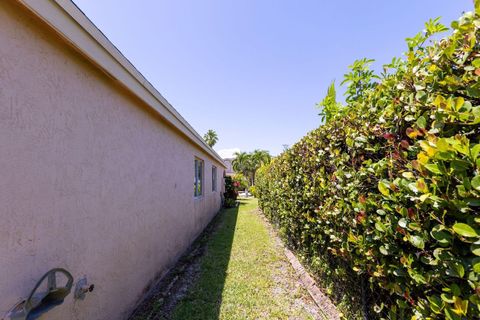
248, 163
211, 137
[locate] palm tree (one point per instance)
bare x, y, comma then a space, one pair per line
243, 164
248, 163
259, 158
210, 137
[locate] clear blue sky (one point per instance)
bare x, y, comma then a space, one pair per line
253, 70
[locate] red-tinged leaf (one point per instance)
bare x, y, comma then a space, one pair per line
362, 199
411, 213
388, 136
416, 165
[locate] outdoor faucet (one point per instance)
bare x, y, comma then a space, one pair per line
82, 288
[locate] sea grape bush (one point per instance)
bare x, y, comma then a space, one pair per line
231, 193
390, 185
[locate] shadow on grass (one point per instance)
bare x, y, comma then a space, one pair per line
205, 297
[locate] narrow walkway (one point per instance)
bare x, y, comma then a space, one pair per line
241, 274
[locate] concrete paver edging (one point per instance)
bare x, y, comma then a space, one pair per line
321, 300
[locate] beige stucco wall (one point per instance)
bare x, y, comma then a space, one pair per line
90, 179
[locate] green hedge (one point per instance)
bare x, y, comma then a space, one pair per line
389, 188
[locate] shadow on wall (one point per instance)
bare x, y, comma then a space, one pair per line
205, 299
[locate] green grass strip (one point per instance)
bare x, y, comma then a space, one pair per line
244, 275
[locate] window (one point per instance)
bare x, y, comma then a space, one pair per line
198, 180
214, 178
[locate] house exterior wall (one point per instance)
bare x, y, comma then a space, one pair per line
91, 180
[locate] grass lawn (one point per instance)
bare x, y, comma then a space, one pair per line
244, 274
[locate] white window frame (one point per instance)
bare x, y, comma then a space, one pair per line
198, 180
214, 179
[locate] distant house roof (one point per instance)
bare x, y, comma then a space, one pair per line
228, 163
74, 26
